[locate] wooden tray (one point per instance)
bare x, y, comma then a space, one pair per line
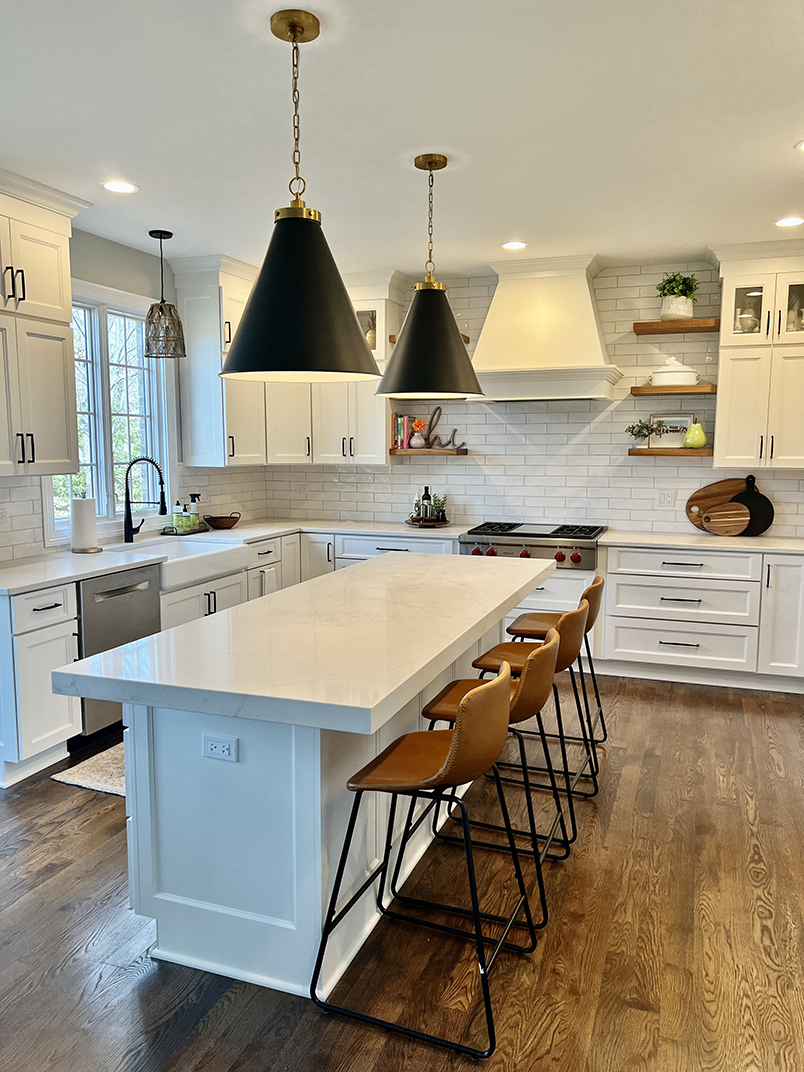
425, 523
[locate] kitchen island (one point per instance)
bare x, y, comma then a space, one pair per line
242, 729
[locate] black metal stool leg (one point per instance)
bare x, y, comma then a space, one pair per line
599, 718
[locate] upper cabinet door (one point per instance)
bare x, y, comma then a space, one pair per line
47, 397
785, 426
41, 263
747, 311
331, 423
369, 425
10, 419
788, 323
289, 423
244, 409
232, 305
6, 266
741, 426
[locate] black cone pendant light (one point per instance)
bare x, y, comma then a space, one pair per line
430, 359
299, 324
164, 334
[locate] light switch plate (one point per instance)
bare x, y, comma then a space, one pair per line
217, 746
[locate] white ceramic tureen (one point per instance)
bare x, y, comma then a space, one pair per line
673, 373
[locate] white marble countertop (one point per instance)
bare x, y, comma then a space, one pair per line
61, 567
345, 651
252, 531
703, 541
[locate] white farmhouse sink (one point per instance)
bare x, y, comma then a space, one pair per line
190, 559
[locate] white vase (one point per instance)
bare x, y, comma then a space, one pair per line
675, 307
417, 441
641, 443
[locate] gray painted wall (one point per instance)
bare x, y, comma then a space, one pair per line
110, 264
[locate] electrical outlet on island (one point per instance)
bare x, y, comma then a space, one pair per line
217, 746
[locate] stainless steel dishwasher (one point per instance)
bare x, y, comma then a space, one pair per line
114, 610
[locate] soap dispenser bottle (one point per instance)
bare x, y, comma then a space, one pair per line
195, 517
177, 516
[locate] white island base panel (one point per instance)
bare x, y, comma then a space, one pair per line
235, 860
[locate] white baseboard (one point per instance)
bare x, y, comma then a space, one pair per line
738, 679
11, 773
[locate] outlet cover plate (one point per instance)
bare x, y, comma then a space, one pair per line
666, 498
217, 746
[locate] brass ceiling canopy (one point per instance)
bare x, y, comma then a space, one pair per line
431, 162
295, 24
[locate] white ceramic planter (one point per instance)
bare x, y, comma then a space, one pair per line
676, 308
641, 443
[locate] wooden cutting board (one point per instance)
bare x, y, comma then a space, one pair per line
727, 519
712, 495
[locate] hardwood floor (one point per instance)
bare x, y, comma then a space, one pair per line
674, 943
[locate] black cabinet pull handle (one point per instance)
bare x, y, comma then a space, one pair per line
699, 564
227, 332
209, 604
308, 446
771, 450
260, 553
13, 293
678, 644
352, 446
343, 446
232, 445
21, 273
50, 606
761, 444
214, 602
677, 599
767, 325
23, 459
33, 446
767, 577
329, 552
779, 326
392, 549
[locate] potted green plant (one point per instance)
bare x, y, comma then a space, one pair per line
677, 292
642, 430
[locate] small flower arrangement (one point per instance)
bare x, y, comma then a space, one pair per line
676, 285
643, 429
419, 425
439, 503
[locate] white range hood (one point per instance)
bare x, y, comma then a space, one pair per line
542, 338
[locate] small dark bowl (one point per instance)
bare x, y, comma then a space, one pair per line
223, 522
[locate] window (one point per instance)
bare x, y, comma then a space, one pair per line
121, 408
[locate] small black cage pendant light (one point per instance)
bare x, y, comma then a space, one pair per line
164, 335
430, 359
299, 324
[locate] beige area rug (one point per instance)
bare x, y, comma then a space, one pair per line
105, 772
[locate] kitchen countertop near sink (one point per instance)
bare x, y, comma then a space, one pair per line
63, 567
252, 531
703, 541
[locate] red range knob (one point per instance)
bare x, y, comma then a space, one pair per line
476, 551
559, 556
524, 553
491, 552
575, 557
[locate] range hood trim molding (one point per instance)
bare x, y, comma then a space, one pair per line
595, 382
528, 268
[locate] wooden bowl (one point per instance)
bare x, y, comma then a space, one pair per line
224, 522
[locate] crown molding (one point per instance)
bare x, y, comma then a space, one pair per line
36, 193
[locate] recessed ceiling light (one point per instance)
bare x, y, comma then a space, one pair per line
790, 221
119, 186
514, 245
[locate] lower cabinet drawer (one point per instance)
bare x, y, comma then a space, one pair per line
719, 647
48, 606
740, 565
370, 546
264, 553
720, 602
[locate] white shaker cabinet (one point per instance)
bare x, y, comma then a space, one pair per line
317, 554
44, 718
291, 560
785, 433
781, 621
330, 407
289, 423
36, 270
747, 309
351, 425
38, 431
202, 600
263, 580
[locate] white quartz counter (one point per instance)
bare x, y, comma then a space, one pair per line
345, 651
252, 531
62, 567
703, 541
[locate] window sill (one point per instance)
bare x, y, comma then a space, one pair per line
108, 531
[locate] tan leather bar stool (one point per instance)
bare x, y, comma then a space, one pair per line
570, 628
431, 766
528, 696
534, 626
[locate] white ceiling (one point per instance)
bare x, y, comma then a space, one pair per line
630, 128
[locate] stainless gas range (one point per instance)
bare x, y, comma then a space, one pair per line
573, 547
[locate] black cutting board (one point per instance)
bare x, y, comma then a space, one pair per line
760, 506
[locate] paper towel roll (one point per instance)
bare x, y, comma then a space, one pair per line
83, 525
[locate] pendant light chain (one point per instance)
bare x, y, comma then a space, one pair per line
297, 185
429, 265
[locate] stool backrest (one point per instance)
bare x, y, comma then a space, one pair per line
594, 597
571, 628
481, 727
536, 681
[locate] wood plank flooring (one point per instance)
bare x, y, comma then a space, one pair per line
675, 941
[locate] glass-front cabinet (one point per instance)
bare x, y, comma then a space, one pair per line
789, 326
747, 310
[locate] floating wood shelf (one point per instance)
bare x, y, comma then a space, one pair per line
429, 450
670, 452
675, 389
677, 327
